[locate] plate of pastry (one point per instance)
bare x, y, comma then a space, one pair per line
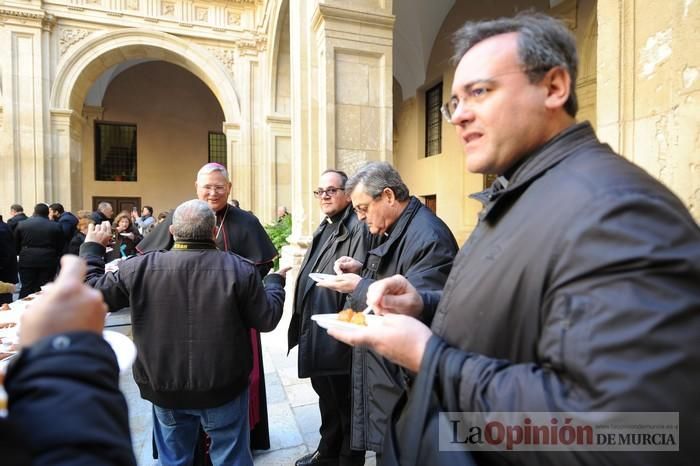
347, 319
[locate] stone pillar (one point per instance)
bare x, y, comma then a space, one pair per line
648, 82
341, 77
67, 167
249, 161
24, 172
237, 174
240, 165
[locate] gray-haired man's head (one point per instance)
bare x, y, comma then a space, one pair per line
193, 221
377, 176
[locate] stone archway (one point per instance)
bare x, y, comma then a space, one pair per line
84, 65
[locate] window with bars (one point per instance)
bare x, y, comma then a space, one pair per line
115, 152
217, 148
433, 120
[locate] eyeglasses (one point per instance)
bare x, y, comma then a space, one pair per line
361, 209
219, 189
476, 91
319, 193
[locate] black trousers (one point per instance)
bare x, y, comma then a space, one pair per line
33, 279
335, 403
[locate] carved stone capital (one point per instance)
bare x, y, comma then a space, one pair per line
251, 45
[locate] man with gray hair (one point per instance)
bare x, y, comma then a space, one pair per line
408, 238
192, 308
103, 213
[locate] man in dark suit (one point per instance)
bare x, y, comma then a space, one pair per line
16, 215
321, 357
66, 220
39, 244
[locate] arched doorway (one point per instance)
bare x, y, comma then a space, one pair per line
98, 54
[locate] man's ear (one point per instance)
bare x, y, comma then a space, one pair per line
558, 84
170, 229
390, 196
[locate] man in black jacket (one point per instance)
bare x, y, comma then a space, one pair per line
408, 238
240, 232
65, 407
577, 294
67, 221
8, 260
39, 244
191, 309
324, 359
16, 215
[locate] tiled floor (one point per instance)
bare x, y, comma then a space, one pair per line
292, 404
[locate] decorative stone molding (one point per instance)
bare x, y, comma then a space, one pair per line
69, 37
325, 12
225, 56
167, 9
233, 18
201, 14
21, 14
132, 4
251, 45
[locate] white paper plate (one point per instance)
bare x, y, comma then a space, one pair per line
322, 277
123, 347
331, 321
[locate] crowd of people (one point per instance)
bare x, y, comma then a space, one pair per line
577, 292
34, 245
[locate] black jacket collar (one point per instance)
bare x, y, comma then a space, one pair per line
537, 164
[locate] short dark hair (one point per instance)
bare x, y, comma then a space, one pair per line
57, 207
17, 208
543, 43
377, 176
343, 176
41, 210
149, 208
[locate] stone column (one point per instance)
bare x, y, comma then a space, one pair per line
341, 79
249, 162
240, 165
648, 86
233, 137
67, 167
24, 175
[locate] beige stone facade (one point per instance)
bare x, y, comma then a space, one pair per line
299, 86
